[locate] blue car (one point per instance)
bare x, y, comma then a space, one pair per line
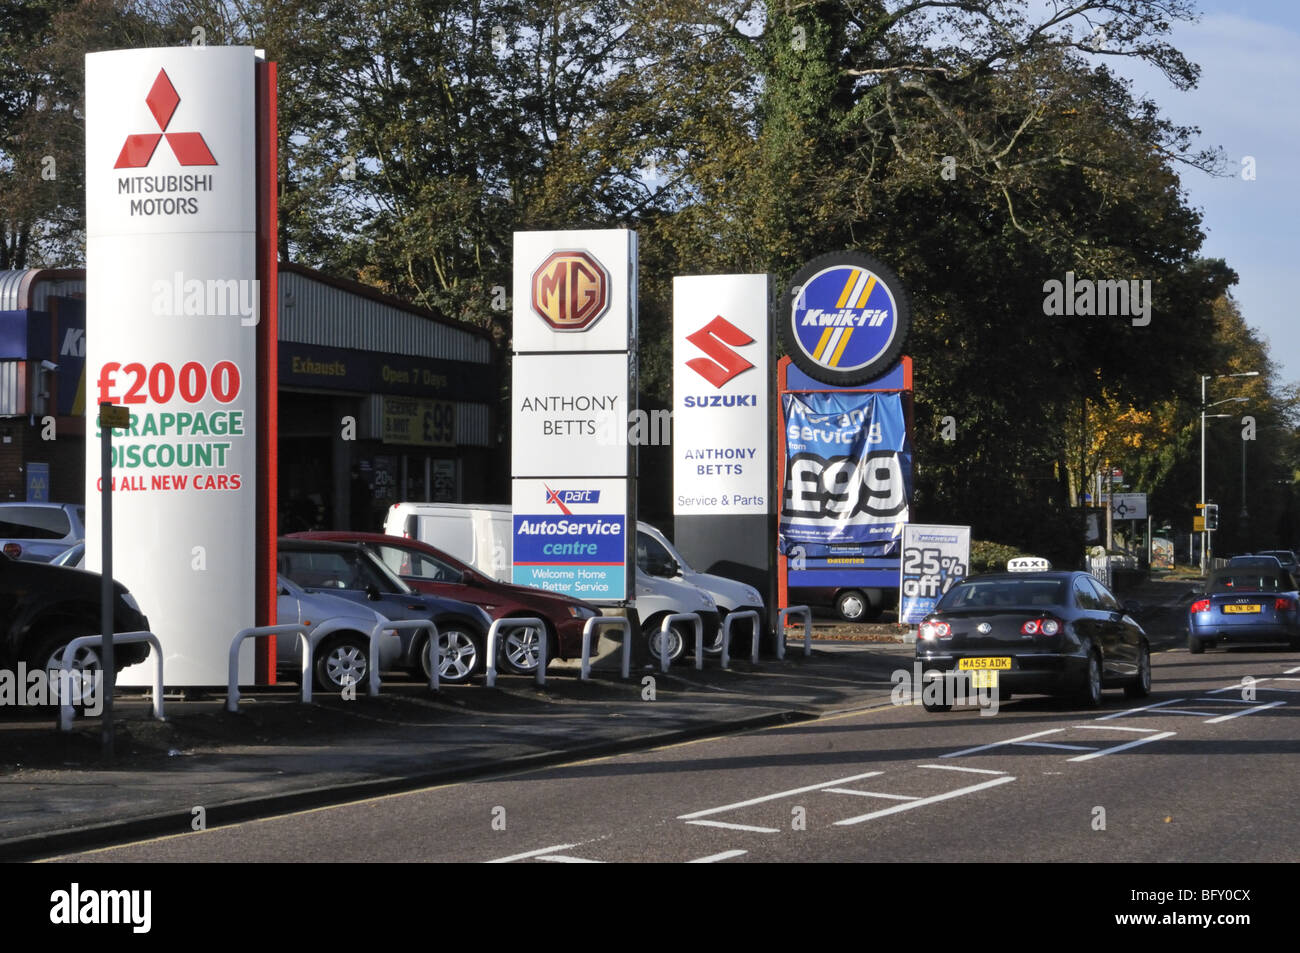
354, 573
1248, 604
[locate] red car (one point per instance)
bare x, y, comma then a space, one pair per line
430, 570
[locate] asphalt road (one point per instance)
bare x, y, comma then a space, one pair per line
1203, 770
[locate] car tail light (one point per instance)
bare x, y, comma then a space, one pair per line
1045, 626
1284, 602
13, 550
1200, 605
935, 630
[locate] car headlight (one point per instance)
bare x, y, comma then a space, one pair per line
581, 612
130, 602
753, 596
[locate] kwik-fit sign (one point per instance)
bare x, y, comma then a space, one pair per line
845, 318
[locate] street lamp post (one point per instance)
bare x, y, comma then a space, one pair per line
1205, 535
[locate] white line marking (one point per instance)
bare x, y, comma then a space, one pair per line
773, 797
992, 782
531, 853
1187, 711
892, 797
1267, 689
999, 744
1054, 744
1238, 686
737, 827
1148, 731
714, 858
1127, 744
1246, 711
1226, 701
953, 767
566, 859
1292, 671
1134, 711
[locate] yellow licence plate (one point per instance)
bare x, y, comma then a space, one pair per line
992, 661
1248, 608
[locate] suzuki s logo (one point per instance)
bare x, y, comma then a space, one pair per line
188, 147
722, 363
570, 291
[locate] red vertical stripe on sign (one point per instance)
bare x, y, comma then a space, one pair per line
782, 565
267, 367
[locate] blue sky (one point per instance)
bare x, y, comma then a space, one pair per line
1247, 102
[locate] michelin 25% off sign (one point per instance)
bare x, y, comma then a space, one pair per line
935, 558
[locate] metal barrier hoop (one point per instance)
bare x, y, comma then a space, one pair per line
668, 620
232, 682
512, 623
590, 626
64, 721
749, 614
807, 629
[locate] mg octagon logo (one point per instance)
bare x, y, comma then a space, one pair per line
570, 290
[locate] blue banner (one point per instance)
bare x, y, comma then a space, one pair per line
848, 474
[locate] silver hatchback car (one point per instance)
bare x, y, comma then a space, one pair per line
40, 531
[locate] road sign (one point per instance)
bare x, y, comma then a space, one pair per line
1198, 524
1129, 506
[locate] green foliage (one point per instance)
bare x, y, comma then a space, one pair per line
988, 556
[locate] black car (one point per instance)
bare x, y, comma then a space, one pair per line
1054, 633
44, 607
353, 572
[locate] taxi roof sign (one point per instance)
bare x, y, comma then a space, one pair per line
1028, 564
113, 415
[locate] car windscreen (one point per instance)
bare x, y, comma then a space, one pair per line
1246, 581
1004, 593
33, 522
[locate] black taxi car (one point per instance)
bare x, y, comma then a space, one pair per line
1053, 633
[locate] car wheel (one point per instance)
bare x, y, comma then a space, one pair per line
852, 605
674, 642
520, 650
1194, 645
1140, 687
1090, 689
49, 656
462, 655
343, 661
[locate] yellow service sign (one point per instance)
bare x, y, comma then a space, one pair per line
423, 423
1198, 524
113, 415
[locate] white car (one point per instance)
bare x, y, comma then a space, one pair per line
657, 558
342, 654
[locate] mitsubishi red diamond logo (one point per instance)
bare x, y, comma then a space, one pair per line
188, 147
713, 339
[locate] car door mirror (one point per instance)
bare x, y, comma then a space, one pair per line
372, 592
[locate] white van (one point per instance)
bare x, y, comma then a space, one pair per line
482, 535
479, 534
656, 557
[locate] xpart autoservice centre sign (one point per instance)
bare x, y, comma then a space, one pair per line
170, 329
572, 384
720, 394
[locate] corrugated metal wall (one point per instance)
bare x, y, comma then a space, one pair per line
13, 283
315, 313
13, 387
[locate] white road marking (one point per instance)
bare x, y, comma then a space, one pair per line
1238, 686
953, 767
992, 782
1054, 744
531, 853
1149, 731
1292, 671
737, 827
1245, 711
779, 794
1187, 711
1134, 711
714, 858
892, 797
566, 859
999, 744
1129, 744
